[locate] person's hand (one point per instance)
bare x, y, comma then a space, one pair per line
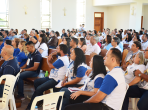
62, 84
49, 58
137, 72
75, 95
88, 72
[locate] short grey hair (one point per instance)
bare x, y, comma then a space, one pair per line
33, 31
116, 39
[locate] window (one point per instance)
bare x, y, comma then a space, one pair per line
4, 14
46, 13
81, 8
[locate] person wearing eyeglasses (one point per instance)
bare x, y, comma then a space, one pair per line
115, 42
139, 90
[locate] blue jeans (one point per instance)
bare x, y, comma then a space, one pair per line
24, 75
136, 92
42, 85
1, 90
66, 97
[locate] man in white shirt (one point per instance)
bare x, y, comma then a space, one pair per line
95, 47
57, 73
145, 41
113, 89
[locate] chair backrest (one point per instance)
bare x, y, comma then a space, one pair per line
125, 52
49, 101
103, 52
8, 87
59, 41
87, 59
127, 86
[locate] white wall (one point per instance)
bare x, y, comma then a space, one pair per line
90, 9
111, 2
118, 17
145, 16
18, 19
59, 21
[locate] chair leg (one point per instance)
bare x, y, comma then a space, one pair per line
13, 101
133, 103
11, 104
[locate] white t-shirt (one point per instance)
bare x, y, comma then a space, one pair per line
95, 49
129, 73
61, 66
144, 45
59, 37
130, 44
82, 68
114, 86
95, 83
43, 47
37, 45
89, 47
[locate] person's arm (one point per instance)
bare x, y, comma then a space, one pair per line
74, 81
86, 93
34, 68
134, 81
24, 66
41, 51
49, 62
143, 76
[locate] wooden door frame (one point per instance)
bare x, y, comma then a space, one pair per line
141, 21
102, 13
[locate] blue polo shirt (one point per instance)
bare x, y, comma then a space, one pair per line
4, 39
16, 52
110, 45
10, 67
35, 57
22, 58
1, 46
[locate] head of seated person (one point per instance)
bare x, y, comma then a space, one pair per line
22, 47
144, 37
5, 33
7, 42
135, 46
30, 47
74, 42
119, 36
115, 42
108, 39
52, 33
93, 40
15, 42
139, 58
128, 37
33, 39
136, 37
42, 39
88, 36
32, 33
7, 52
82, 42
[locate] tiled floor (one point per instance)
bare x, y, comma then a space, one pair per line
28, 90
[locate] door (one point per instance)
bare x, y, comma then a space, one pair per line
99, 21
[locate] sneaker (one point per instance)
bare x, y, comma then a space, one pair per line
20, 97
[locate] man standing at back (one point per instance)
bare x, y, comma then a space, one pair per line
30, 69
10, 66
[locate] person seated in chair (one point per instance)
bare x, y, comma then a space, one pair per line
57, 73
10, 66
30, 69
52, 43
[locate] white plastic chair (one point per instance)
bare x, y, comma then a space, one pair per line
49, 101
8, 92
127, 86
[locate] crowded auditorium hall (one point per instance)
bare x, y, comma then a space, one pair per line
73, 55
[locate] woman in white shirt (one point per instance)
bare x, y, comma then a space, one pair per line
138, 64
43, 49
57, 35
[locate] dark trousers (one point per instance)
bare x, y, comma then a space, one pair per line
87, 106
42, 85
24, 75
136, 92
79, 99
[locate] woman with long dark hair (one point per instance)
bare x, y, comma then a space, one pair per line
75, 74
94, 82
66, 41
43, 49
82, 44
15, 43
128, 38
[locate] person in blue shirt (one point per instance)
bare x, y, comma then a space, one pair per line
22, 56
10, 66
15, 44
14, 35
30, 69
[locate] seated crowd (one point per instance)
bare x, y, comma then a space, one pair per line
106, 83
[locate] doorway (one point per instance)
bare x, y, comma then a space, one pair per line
99, 21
